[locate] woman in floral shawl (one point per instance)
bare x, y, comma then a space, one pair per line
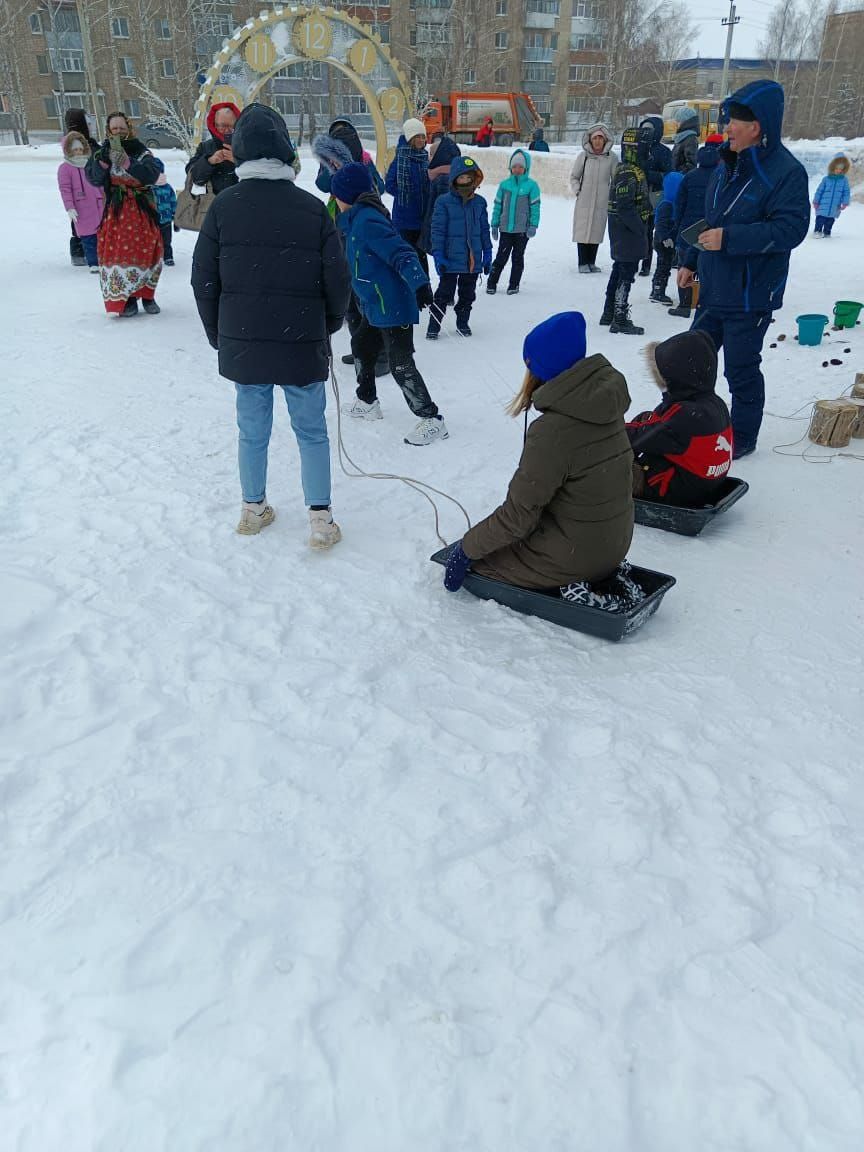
129, 240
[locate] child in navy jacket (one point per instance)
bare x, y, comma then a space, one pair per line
166, 206
665, 235
461, 245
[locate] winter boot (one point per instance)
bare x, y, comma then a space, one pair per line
429, 428
324, 532
658, 293
594, 268
608, 311
254, 517
685, 302
585, 269
348, 358
462, 327
513, 290
360, 410
491, 289
76, 253
151, 308
645, 270
621, 322
435, 318
130, 308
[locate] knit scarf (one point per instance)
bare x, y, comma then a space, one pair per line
265, 169
405, 183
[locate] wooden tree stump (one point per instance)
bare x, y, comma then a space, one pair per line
858, 386
858, 426
831, 423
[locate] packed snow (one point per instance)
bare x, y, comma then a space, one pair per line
300, 852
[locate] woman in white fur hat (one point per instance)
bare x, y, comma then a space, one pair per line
408, 184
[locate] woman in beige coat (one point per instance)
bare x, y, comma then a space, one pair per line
589, 182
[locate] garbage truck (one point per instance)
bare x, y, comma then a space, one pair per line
462, 114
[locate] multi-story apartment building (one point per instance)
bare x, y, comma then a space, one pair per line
97, 54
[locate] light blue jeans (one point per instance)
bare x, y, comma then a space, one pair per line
255, 421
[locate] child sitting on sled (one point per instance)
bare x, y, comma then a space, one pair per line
568, 513
683, 449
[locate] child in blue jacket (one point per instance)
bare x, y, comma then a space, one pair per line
166, 206
516, 212
461, 245
665, 236
390, 287
832, 195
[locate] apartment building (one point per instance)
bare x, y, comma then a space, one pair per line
552, 49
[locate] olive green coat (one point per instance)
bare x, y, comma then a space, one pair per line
568, 514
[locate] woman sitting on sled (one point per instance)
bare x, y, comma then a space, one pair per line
568, 514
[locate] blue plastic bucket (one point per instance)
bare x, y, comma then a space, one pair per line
810, 328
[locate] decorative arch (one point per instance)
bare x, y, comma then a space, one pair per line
277, 38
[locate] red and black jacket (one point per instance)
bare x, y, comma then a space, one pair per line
685, 445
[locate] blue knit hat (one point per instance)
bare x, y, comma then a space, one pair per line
555, 345
350, 182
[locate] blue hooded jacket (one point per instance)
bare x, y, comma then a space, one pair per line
408, 184
385, 271
664, 215
690, 201
832, 195
439, 184
760, 198
461, 241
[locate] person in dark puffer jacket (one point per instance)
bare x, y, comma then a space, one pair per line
686, 145
658, 164
461, 245
271, 285
390, 285
683, 449
758, 209
442, 153
213, 162
629, 209
665, 234
690, 209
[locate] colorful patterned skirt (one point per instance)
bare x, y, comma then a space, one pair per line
129, 246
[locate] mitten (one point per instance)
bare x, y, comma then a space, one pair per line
495, 235
440, 265
668, 243
72, 213
457, 568
424, 296
531, 233
487, 265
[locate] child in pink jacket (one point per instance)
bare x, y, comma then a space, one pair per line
84, 203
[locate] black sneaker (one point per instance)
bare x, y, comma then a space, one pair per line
169, 263
660, 298
464, 330
491, 289
130, 308
151, 307
513, 291
430, 335
348, 358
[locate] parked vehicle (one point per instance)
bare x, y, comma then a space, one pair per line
153, 136
462, 114
706, 108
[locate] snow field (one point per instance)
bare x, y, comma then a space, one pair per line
301, 852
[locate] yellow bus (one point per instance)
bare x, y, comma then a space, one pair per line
707, 110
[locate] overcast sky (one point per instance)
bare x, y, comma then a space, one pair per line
711, 37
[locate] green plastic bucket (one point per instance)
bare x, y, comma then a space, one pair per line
846, 313
810, 328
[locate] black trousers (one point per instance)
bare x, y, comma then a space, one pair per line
511, 244
623, 272
412, 235
367, 343
587, 253
665, 257
649, 228
445, 294
167, 231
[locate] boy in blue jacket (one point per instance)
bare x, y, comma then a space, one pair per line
461, 245
166, 206
832, 196
516, 212
665, 235
390, 286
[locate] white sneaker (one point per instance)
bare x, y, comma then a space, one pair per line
94, 269
360, 410
254, 517
430, 428
324, 531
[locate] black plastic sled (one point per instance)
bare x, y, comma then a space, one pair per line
549, 605
689, 521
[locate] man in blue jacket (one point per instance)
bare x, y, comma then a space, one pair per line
758, 209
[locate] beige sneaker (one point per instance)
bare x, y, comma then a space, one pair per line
324, 531
254, 517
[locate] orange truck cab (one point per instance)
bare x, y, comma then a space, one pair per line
463, 114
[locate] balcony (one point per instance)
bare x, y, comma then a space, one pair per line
539, 55
539, 20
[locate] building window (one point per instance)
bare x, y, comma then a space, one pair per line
302, 70
132, 108
353, 106
543, 104
383, 31
587, 73
540, 73
42, 65
127, 67
120, 28
587, 43
412, 37
70, 60
36, 29
168, 69
50, 103
433, 34
583, 9
470, 76
500, 7
545, 7
501, 39
501, 74
161, 29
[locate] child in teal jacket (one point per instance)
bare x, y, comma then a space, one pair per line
515, 216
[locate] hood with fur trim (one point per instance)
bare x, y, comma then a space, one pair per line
839, 166
684, 365
72, 138
330, 152
466, 164
592, 131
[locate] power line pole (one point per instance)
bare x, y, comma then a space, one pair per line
730, 23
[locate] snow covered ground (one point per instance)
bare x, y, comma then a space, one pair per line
300, 852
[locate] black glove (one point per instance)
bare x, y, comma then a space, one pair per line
425, 298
